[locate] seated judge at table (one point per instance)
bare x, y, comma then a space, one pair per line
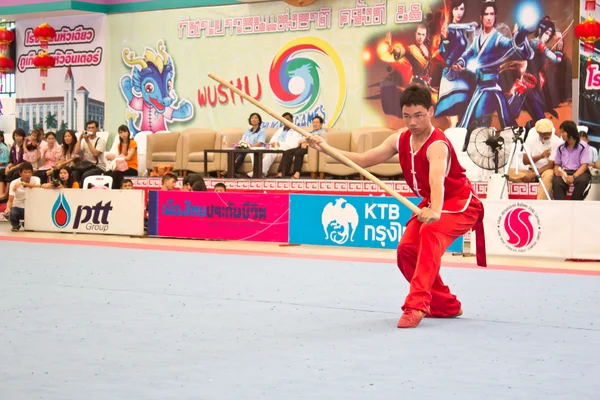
284, 139
296, 155
255, 136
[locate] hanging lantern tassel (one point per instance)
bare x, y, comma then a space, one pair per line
44, 62
590, 5
6, 66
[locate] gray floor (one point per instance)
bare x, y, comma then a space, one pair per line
133, 324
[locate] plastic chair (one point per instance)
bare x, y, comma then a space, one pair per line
98, 182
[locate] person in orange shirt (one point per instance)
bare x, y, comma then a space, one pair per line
127, 153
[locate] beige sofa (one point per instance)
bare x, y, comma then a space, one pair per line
185, 151
194, 142
164, 148
374, 137
234, 135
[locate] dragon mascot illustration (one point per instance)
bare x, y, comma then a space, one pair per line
149, 91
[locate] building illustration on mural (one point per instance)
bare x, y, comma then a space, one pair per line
60, 113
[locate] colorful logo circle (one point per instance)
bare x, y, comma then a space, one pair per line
296, 80
519, 227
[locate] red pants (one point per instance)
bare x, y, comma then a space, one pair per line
420, 256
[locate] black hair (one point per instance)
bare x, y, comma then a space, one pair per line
545, 24
26, 166
124, 128
70, 180
199, 186
19, 132
192, 179
69, 149
415, 95
126, 181
166, 177
485, 6
220, 185
319, 118
259, 121
50, 134
92, 122
287, 114
570, 128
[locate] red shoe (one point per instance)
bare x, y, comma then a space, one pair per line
410, 318
458, 314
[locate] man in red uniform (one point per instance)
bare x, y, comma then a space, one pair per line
449, 208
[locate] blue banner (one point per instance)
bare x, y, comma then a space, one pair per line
356, 221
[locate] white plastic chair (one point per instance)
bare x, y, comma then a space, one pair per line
98, 182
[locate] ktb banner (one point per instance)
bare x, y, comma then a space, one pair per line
74, 90
113, 212
356, 221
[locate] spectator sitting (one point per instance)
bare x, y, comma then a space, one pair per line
4, 160
190, 180
297, 154
571, 164
91, 149
284, 139
168, 182
127, 184
127, 150
220, 188
32, 149
15, 208
50, 153
255, 136
65, 181
542, 148
17, 150
69, 155
593, 150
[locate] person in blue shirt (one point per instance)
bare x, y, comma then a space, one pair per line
296, 155
255, 136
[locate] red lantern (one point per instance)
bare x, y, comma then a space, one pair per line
6, 37
590, 5
589, 32
44, 33
6, 65
44, 62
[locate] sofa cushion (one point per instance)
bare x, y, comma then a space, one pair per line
164, 156
199, 157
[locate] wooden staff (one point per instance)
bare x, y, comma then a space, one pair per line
328, 149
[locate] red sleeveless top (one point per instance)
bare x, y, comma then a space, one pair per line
458, 190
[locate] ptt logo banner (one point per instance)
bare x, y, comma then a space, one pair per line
356, 221
113, 212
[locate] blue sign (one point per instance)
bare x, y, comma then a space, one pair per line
356, 221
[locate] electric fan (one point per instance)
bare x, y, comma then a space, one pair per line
491, 149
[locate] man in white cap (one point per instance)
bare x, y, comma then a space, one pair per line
541, 144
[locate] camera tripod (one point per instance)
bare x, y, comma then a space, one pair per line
519, 143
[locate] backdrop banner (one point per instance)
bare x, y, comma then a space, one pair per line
74, 90
347, 61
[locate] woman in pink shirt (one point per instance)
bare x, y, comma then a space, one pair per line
50, 153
